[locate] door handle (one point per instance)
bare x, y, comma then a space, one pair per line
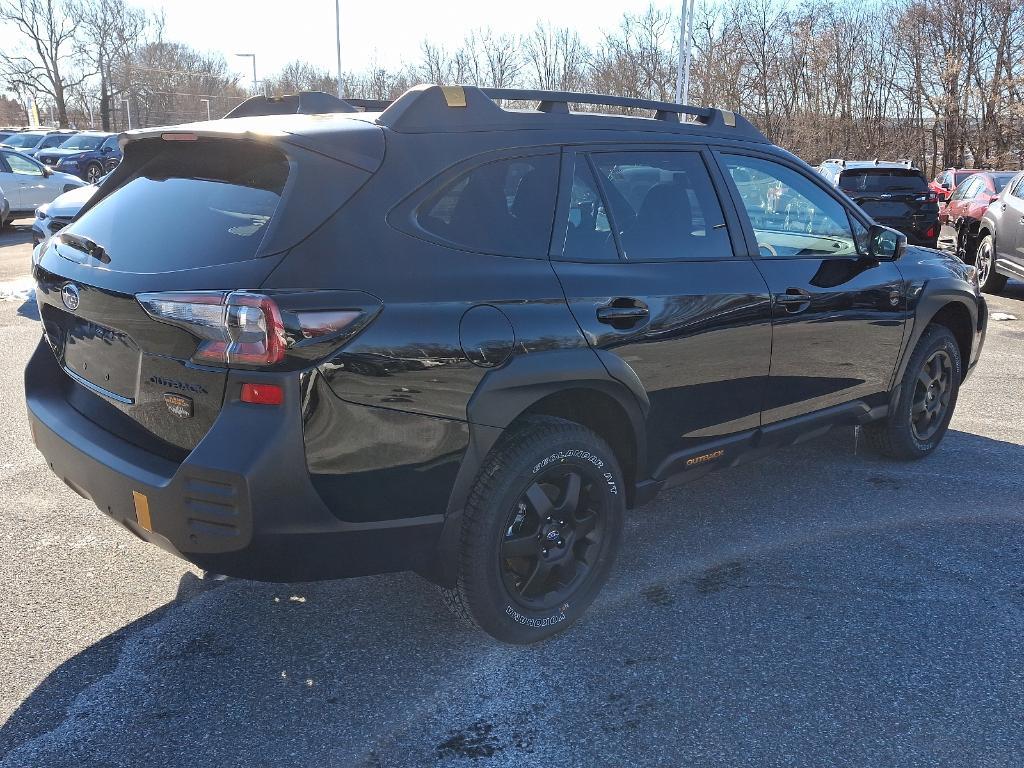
623, 314
794, 300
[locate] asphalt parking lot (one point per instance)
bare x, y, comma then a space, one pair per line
822, 607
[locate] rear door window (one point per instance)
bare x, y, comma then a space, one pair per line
190, 205
663, 205
505, 207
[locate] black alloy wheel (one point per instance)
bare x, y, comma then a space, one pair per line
539, 531
553, 536
932, 392
93, 173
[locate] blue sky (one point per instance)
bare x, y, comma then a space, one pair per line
388, 31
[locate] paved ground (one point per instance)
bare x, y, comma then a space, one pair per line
819, 608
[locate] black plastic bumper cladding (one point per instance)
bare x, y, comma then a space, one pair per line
240, 504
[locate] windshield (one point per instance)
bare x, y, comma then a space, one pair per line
226, 191
21, 140
82, 142
861, 181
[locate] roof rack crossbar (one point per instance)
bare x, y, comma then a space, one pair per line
664, 110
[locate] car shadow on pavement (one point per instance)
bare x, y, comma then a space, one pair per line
817, 603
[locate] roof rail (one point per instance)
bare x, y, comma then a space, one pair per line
370, 105
426, 108
301, 103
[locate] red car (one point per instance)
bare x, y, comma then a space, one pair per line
944, 184
967, 205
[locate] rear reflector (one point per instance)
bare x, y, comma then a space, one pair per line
262, 394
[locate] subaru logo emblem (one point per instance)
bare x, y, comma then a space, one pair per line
69, 295
552, 535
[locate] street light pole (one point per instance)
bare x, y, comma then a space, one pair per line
207, 101
685, 45
254, 80
337, 21
128, 109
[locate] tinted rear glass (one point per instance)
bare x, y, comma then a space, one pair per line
192, 204
961, 175
868, 180
1001, 181
505, 207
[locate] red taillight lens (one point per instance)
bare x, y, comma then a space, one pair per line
238, 327
262, 394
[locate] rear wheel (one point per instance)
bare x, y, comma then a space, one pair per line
539, 533
985, 262
920, 417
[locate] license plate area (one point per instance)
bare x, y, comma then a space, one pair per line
103, 357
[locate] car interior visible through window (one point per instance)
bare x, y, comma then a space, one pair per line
792, 217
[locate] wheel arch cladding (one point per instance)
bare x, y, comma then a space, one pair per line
955, 316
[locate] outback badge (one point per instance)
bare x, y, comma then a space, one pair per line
179, 405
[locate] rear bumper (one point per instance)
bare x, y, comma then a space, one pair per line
240, 504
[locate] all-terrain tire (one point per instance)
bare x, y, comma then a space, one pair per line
522, 462
899, 435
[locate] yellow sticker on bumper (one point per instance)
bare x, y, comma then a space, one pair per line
142, 510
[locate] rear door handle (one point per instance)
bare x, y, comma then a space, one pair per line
623, 313
794, 300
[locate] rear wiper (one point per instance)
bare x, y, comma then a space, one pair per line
85, 245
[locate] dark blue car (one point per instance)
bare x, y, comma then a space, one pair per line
88, 155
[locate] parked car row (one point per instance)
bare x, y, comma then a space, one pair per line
984, 209
85, 154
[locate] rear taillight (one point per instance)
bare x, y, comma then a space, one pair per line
238, 327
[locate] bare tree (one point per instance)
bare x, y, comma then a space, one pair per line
45, 62
110, 32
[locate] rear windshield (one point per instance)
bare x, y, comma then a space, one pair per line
83, 142
192, 204
959, 176
868, 180
1001, 180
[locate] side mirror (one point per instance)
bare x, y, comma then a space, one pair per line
106, 150
946, 185
886, 244
47, 171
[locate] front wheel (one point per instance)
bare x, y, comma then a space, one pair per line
93, 173
920, 417
985, 262
539, 532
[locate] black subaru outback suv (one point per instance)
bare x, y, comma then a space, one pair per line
895, 194
463, 339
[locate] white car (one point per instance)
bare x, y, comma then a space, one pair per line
29, 184
32, 142
52, 217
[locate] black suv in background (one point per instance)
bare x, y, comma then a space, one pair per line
464, 339
894, 194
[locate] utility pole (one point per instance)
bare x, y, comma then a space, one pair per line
685, 47
128, 109
337, 21
255, 83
